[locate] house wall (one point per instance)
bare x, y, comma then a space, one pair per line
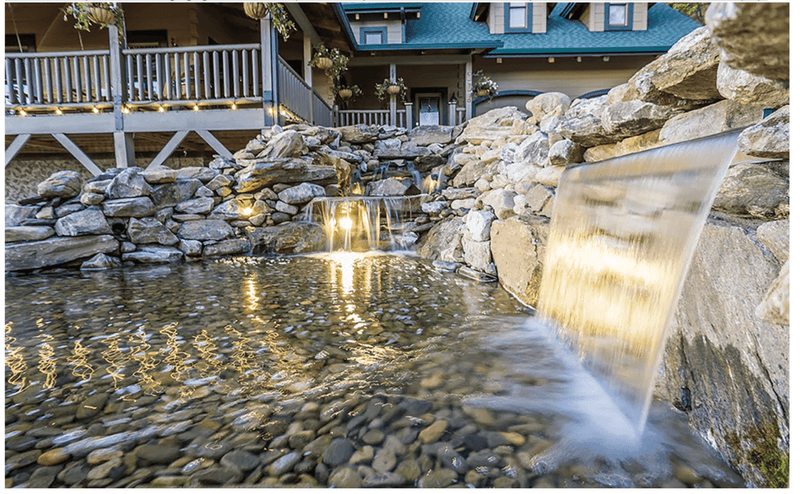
594, 17
565, 75
496, 19
539, 18
639, 16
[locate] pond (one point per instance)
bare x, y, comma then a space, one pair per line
343, 369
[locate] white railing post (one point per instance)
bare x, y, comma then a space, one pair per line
451, 114
269, 71
393, 98
123, 143
336, 122
409, 115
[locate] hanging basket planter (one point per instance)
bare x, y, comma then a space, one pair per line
481, 93
393, 89
100, 15
345, 94
324, 63
255, 10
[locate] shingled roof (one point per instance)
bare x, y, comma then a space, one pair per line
449, 25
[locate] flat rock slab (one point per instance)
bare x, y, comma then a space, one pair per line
56, 250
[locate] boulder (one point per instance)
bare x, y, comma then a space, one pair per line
724, 367
205, 230
547, 105
478, 225
100, 262
752, 36
67, 183
152, 254
478, 255
230, 247
287, 144
633, 118
768, 138
201, 173
443, 241
775, 237
425, 135
200, 205
92, 199
262, 174
533, 150
688, 70
15, 215
564, 152
150, 231
753, 189
171, 194
748, 89
128, 183
359, 134
538, 196
501, 202
301, 194
550, 175
90, 221
775, 306
68, 208
287, 238
56, 250
709, 120
137, 207
630, 145
157, 175
390, 187
517, 246
27, 233
583, 125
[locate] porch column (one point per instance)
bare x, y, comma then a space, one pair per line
269, 71
468, 88
307, 74
393, 97
409, 115
123, 143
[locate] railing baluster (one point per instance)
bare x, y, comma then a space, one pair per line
48, 82
106, 79
76, 79
196, 74
206, 76
187, 75
148, 63
177, 68
226, 73
235, 57
216, 74
256, 79
29, 92
245, 75
87, 79
57, 75
67, 81
19, 79
168, 76
159, 76
140, 77
96, 64
11, 79
129, 76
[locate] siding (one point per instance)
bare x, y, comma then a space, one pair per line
639, 17
539, 17
394, 29
496, 19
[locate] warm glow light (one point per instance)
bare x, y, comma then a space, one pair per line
59, 112
196, 108
161, 109
233, 106
346, 223
95, 110
125, 109
247, 211
23, 113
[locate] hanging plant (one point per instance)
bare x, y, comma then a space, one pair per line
331, 60
389, 87
280, 19
85, 14
347, 93
482, 85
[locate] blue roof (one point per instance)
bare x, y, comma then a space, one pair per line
449, 25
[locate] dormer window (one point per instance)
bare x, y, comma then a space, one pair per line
373, 36
619, 17
518, 17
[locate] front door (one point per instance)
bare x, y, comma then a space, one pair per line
429, 109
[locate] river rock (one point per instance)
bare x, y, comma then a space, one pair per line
359, 134
136, 207
128, 183
443, 241
201, 173
301, 194
389, 187
205, 230
27, 233
240, 460
171, 194
150, 231
288, 238
67, 183
768, 138
338, 452
56, 250
744, 358
90, 221
345, 478
753, 189
752, 36
478, 255
15, 215
100, 262
230, 247
237, 208
262, 174
53, 457
151, 254
709, 120
478, 225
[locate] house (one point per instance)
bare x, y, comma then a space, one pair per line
196, 79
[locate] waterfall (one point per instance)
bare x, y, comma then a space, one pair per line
355, 223
622, 237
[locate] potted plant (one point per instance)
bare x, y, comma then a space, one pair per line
482, 85
331, 60
87, 13
389, 87
346, 92
259, 10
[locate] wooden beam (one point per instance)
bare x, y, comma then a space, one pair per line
169, 147
215, 144
15, 146
381, 60
303, 22
78, 154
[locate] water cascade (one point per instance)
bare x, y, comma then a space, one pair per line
354, 223
621, 240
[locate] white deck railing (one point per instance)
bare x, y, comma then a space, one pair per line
370, 117
58, 78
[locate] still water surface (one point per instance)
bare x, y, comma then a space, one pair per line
342, 369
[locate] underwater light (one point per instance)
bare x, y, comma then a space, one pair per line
346, 223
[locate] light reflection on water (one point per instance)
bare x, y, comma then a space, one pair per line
268, 330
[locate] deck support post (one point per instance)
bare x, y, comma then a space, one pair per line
468, 88
393, 97
15, 146
79, 155
269, 70
123, 143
